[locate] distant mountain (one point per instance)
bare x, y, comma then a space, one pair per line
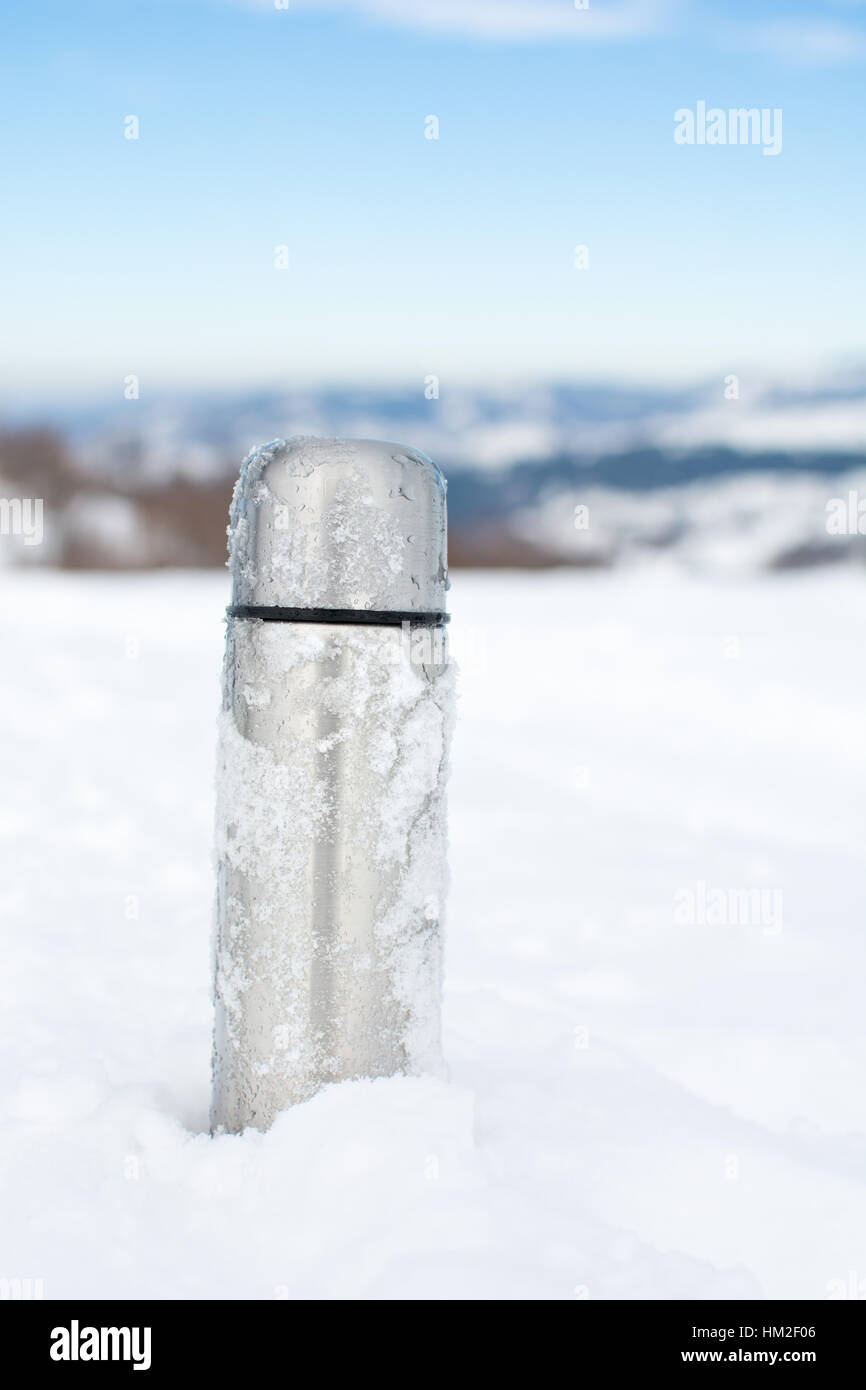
479, 430
728, 473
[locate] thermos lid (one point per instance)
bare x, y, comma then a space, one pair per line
338, 524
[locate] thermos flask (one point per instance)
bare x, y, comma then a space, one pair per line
333, 746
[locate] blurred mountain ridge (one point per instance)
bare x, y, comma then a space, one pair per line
144, 482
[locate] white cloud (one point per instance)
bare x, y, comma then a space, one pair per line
815, 41
795, 38
512, 19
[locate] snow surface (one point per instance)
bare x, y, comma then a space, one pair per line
740, 524
636, 1107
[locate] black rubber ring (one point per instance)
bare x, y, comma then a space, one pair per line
361, 617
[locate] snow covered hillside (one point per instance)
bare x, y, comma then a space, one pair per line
655, 959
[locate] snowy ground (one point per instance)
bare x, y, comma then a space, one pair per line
636, 1106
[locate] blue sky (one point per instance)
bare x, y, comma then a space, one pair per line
305, 127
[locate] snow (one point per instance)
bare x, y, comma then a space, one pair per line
757, 425
739, 523
634, 1107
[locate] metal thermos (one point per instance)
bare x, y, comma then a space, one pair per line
334, 733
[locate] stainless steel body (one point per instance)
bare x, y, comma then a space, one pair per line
332, 763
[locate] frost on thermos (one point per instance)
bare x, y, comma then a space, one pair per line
337, 710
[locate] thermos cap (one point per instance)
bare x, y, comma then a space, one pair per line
339, 524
